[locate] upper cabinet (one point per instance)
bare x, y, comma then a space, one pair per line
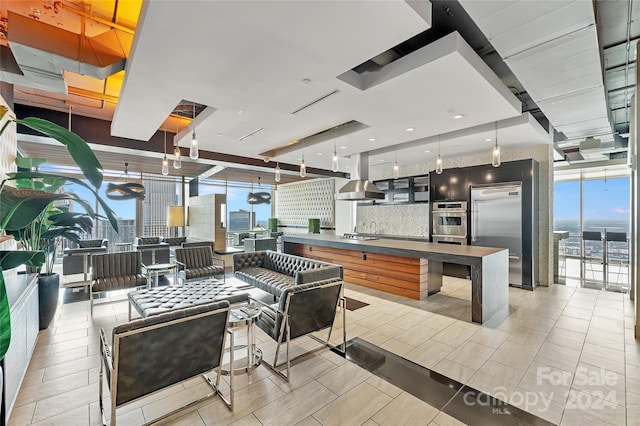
451, 186
405, 190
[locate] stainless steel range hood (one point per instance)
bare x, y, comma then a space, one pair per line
360, 188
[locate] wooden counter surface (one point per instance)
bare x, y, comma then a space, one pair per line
411, 268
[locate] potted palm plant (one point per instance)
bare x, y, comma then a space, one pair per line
44, 232
20, 206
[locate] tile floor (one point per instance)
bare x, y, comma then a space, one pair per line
566, 354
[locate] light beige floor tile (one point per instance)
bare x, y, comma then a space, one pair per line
471, 354
190, 419
443, 419
580, 313
344, 378
454, 335
633, 408
63, 402
247, 400
539, 323
51, 388
71, 367
549, 382
454, 370
538, 405
605, 339
416, 335
354, 407
406, 409
310, 421
584, 409
513, 355
632, 353
573, 324
429, 353
599, 356
566, 338
496, 379
503, 322
303, 371
49, 339
384, 386
22, 415
176, 400
632, 375
296, 405
76, 416
601, 383
533, 339
407, 321
397, 347
490, 337
58, 358
33, 377
558, 356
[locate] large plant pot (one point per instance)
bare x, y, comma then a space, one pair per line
48, 291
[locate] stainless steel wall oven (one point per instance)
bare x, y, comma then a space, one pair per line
450, 222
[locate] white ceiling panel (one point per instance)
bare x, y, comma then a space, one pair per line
562, 66
515, 26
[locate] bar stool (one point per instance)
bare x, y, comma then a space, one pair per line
588, 262
621, 262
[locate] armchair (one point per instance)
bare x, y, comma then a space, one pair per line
78, 260
153, 353
115, 271
153, 250
243, 235
198, 262
302, 309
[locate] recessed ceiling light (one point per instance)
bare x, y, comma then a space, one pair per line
343, 147
487, 140
382, 161
239, 112
319, 153
410, 129
458, 116
427, 151
372, 139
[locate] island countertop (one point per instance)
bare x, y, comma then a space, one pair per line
378, 263
466, 255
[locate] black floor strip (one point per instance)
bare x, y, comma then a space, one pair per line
353, 304
457, 400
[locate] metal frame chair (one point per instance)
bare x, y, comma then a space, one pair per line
591, 261
302, 310
179, 345
192, 260
620, 237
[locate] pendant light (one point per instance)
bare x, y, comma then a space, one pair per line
278, 177
334, 161
396, 171
439, 159
193, 150
165, 160
177, 156
303, 168
495, 157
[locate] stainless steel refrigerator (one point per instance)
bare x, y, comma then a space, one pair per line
496, 221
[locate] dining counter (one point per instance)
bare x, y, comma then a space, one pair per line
411, 268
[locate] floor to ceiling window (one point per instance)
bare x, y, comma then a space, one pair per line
595, 201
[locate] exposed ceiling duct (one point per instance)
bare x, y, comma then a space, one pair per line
42, 52
359, 188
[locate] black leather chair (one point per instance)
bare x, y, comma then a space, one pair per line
198, 262
302, 310
77, 260
115, 271
243, 235
153, 353
153, 250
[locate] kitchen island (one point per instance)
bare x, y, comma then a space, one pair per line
411, 268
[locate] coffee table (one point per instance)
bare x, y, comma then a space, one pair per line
153, 301
156, 268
